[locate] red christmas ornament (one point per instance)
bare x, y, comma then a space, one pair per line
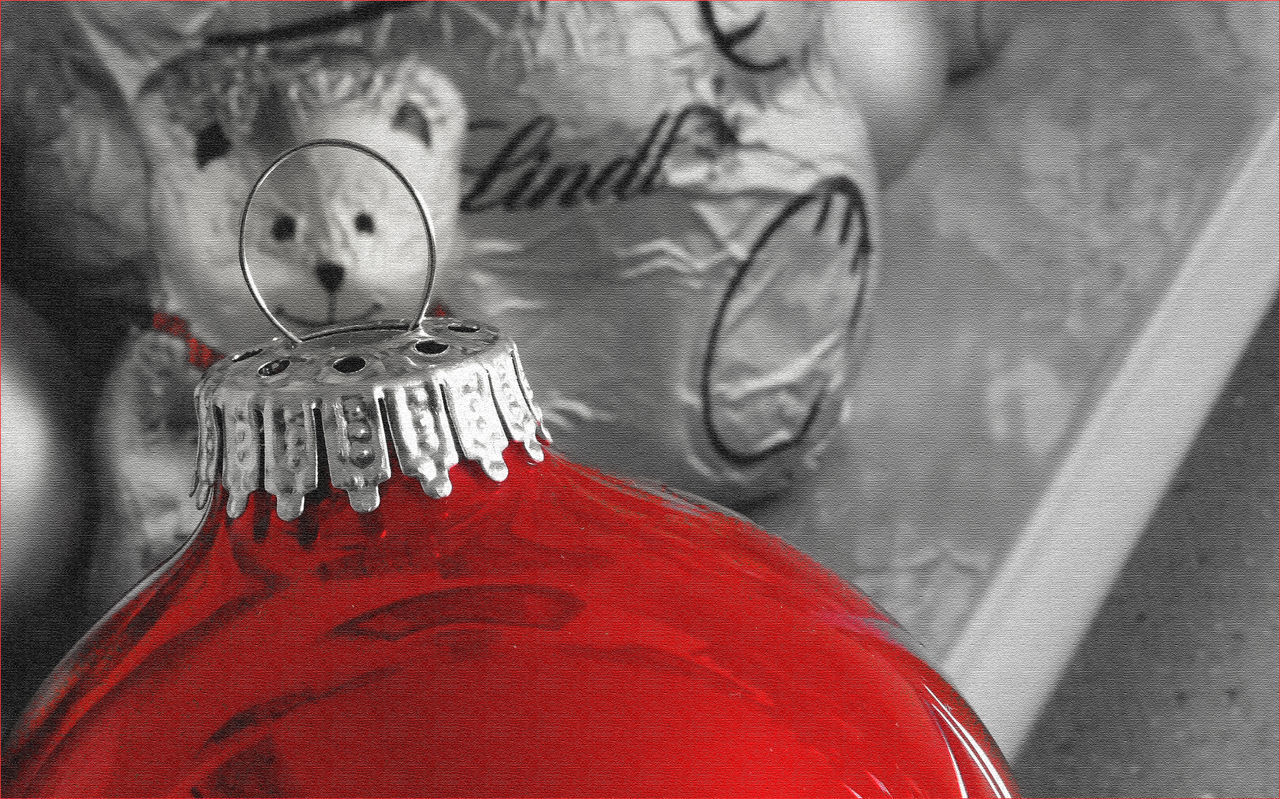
361, 614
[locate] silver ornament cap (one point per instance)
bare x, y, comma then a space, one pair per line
428, 393
430, 396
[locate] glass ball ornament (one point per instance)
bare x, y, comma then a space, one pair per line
397, 591
43, 457
42, 501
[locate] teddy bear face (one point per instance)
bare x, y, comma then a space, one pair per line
332, 236
335, 240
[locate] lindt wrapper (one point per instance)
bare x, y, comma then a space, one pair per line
684, 243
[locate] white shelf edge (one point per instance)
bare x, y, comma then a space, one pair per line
1026, 627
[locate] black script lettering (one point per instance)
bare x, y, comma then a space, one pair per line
522, 174
524, 153
623, 190
518, 175
825, 289
726, 41
717, 128
607, 174
553, 180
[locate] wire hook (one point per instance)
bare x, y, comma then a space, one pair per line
404, 181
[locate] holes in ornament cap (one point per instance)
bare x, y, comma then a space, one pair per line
349, 364
463, 327
431, 347
244, 355
274, 368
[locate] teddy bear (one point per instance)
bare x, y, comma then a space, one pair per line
332, 238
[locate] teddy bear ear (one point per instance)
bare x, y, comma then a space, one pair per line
210, 143
175, 134
409, 117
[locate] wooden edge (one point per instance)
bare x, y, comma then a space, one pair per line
1013, 650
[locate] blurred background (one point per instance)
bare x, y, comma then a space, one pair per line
1057, 459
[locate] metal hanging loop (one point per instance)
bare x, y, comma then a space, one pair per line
404, 181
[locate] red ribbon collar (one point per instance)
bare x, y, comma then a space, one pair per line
199, 354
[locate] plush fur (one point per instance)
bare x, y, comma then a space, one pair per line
333, 237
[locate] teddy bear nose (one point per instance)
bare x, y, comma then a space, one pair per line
330, 275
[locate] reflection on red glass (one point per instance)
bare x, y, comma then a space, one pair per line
561, 632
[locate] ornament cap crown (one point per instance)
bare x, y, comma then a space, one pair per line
438, 389
348, 399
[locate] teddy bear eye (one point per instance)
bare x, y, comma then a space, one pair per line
284, 228
364, 222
